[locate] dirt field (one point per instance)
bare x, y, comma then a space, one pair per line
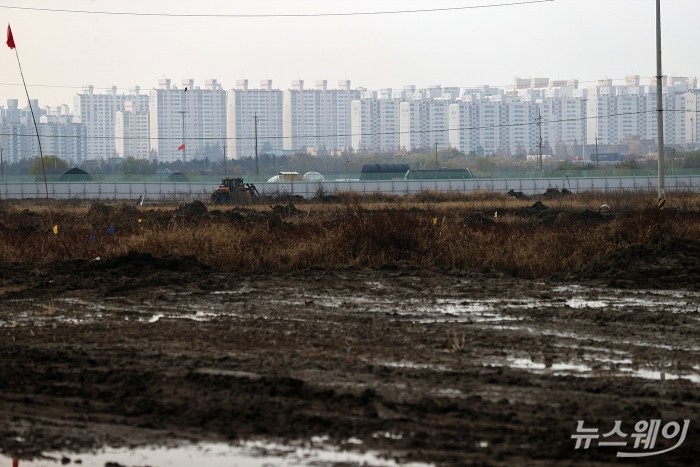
451, 367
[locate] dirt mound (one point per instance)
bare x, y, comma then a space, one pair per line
137, 264
535, 210
193, 209
99, 211
127, 210
234, 215
517, 194
556, 193
479, 219
286, 210
669, 264
123, 274
585, 216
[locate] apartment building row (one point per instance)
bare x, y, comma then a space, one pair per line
185, 122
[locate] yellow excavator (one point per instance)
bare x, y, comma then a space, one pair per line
234, 190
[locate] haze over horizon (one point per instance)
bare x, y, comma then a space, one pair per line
480, 43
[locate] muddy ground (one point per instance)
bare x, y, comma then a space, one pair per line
450, 367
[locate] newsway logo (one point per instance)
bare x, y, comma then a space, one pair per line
645, 436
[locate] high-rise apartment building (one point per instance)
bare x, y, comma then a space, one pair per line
319, 117
59, 135
98, 113
189, 122
463, 134
244, 105
132, 132
365, 120
376, 122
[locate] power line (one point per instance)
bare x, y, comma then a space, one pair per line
273, 15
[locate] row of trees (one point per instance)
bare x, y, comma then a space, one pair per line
345, 163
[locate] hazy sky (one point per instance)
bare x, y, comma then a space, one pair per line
561, 39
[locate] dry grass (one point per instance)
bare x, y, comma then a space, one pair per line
356, 231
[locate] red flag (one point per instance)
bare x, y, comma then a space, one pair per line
10, 39
181, 147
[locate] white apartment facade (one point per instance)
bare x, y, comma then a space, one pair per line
244, 105
376, 122
59, 135
97, 111
187, 122
319, 117
132, 132
365, 122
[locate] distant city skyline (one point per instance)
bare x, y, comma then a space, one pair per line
176, 83
191, 121
586, 40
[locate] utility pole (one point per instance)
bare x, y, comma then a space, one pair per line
692, 132
183, 104
437, 166
184, 151
584, 136
659, 105
697, 101
539, 144
2, 169
255, 118
224, 160
596, 151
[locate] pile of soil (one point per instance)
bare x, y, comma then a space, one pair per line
193, 209
669, 264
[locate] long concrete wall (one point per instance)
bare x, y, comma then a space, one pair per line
189, 191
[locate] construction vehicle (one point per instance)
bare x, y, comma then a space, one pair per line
234, 190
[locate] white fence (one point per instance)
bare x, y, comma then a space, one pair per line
169, 191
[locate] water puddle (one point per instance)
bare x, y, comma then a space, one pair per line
419, 308
677, 301
555, 368
591, 366
413, 365
248, 454
659, 375
583, 303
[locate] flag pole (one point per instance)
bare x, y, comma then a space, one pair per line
11, 44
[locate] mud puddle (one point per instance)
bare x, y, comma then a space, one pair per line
590, 367
223, 303
248, 454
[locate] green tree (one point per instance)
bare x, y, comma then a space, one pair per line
51, 164
692, 160
629, 164
484, 165
131, 165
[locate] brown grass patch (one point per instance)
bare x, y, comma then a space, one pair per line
561, 235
